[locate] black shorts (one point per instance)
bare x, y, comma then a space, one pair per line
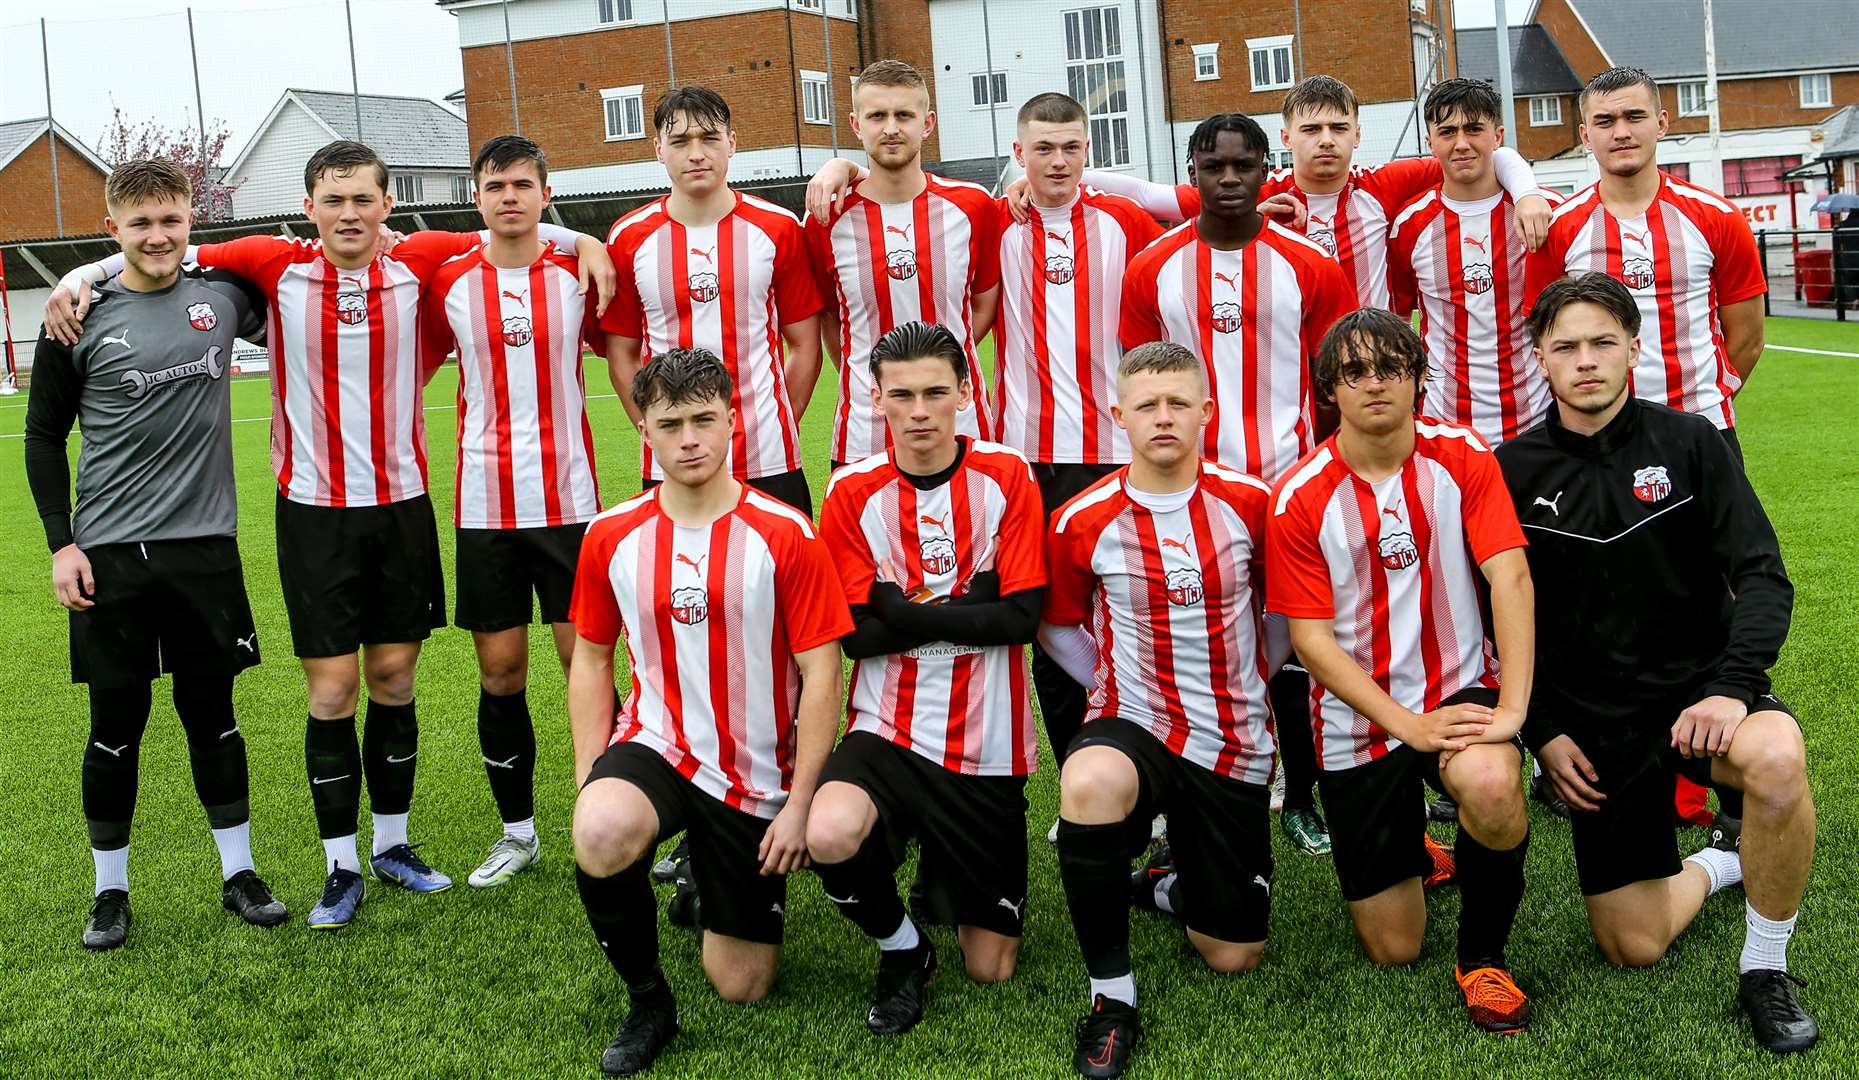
359, 575
1736, 445
177, 606
1058, 483
734, 898
1219, 830
789, 487
498, 570
1631, 838
1378, 813
971, 830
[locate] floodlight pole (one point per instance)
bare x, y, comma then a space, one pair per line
200, 116
1505, 89
509, 59
1710, 97
354, 76
51, 133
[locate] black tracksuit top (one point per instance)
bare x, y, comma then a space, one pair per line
1658, 577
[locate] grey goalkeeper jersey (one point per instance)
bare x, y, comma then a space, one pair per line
148, 386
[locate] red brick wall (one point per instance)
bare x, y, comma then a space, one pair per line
750, 59
1365, 43
900, 30
26, 209
1759, 103
1580, 50
1537, 143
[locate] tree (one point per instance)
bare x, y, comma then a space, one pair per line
126, 140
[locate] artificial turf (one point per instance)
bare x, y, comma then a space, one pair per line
508, 982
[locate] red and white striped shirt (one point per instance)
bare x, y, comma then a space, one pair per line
965, 707
728, 288
1461, 264
1690, 254
1061, 293
1174, 600
1394, 565
347, 426
525, 448
884, 264
1255, 318
712, 617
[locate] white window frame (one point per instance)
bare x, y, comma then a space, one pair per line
1206, 61
1271, 48
1108, 110
1822, 93
1545, 111
806, 5
1693, 99
409, 188
461, 189
996, 87
814, 106
622, 94
621, 10
1278, 159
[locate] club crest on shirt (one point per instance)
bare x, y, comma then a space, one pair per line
690, 604
703, 286
1398, 551
1184, 586
1059, 269
1226, 317
1651, 484
938, 555
1322, 236
901, 264
351, 307
516, 331
1636, 274
201, 317
1477, 278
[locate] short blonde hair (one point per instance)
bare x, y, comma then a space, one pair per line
146, 180
891, 73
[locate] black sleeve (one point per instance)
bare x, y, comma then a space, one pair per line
251, 304
1538, 730
1745, 548
872, 636
1010, 620
50, 413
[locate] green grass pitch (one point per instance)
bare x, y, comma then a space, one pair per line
509, 983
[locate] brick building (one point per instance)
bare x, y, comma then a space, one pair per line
1545, 86
588, 73
1783, 70
26, 211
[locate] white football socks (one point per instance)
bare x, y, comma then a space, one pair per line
1765, 941
520, 830
112, 868
1122, 988
904, 937
340, 854
235, 849
389, 830
1724, 868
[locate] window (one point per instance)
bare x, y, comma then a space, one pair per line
1545, 111
409, 189
814, 107
1680, 170
461, 189
1206, 62
1278, 159
989, 88
1817, 91
808, 5
1271, 62
1691, 99
1758, 176
615, 11
625, 109
1094, 74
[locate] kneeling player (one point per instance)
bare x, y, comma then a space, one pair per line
1378, 538
939, 545
1162, 560
1674, 604
149, 563
731, 616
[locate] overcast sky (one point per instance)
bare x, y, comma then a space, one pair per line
250, 52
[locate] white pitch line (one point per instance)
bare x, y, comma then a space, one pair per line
257, 419
1816, 352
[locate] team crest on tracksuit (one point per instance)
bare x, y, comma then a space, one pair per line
201, 317
1651, 484
516, 331
1636, 274
1398, 551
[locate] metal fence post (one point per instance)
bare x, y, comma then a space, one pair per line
509, 59
1762, 249
51, 133
832, 109
354, 75
200, 118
